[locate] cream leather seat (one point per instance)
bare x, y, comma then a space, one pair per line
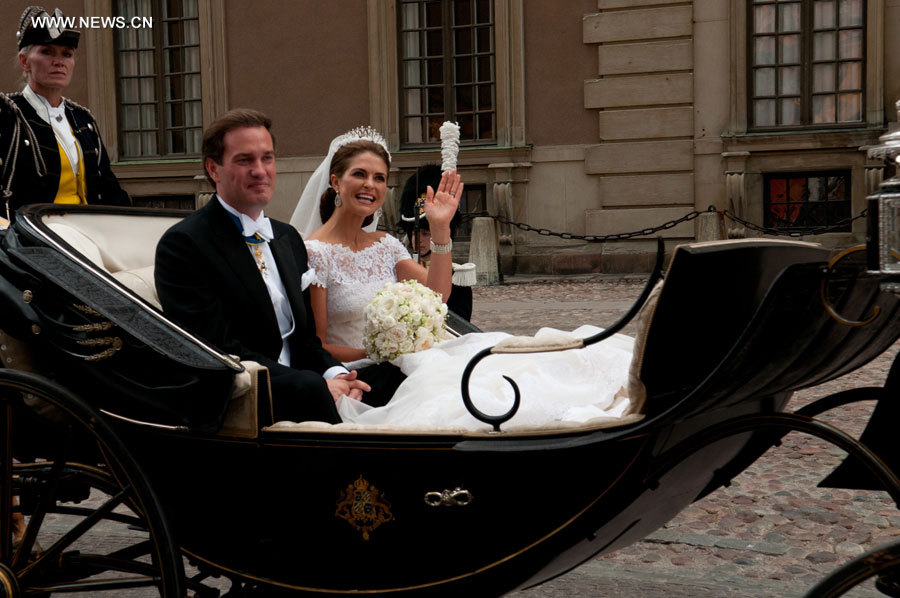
124, 246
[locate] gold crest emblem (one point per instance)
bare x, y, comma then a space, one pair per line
363, 506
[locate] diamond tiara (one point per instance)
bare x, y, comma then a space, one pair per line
366, 133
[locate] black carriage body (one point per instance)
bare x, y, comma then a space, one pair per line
272, 509
322, 510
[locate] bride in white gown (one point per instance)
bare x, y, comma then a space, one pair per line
352, 263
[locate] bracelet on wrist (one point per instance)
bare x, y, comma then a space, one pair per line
441, 248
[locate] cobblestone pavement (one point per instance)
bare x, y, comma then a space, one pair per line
772, 533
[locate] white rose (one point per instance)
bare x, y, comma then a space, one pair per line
425, 342
396, 334
387, 304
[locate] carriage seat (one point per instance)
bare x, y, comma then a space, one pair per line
122, 246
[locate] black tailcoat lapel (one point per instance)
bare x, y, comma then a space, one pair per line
233, 249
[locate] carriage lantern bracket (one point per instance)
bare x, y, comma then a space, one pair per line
883, 215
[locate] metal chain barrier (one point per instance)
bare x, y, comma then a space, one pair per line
590, 238
795, 232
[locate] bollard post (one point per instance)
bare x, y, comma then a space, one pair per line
484, 251
709, 226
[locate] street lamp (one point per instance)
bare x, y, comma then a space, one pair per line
883, 230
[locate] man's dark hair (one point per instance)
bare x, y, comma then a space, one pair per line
214, 136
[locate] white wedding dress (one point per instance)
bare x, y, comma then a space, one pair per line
352, 278
574, 386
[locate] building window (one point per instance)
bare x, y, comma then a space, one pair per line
805, 200
808, 63
447, 70
158, 80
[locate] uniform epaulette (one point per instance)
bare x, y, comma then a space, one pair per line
7, 99
9, 96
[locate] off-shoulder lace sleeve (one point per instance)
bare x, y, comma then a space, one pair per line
320, 261
398, 251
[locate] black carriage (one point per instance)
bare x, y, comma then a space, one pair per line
112, 415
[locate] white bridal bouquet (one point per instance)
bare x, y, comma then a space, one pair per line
403, 317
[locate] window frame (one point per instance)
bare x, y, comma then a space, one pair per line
100, 66
767, 178
807, 66
509, 73
450, 84
163, 105
741, 65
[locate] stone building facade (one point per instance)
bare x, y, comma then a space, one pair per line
588, 117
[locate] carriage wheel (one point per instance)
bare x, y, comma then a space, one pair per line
91, 521
883, 561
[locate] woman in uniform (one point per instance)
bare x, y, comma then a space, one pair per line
50, 146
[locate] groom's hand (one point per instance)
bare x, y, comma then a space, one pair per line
347, 384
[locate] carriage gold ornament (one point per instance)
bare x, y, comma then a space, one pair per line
364, 507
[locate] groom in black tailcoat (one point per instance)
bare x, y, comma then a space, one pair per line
236, 278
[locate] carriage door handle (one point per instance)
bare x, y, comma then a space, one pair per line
449, 498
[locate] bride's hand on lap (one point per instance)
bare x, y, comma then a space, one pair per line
441, 205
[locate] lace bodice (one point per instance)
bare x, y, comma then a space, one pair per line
352, 279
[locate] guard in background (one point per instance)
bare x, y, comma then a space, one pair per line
50, 146
413, 221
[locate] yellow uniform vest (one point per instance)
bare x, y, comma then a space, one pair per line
71, 187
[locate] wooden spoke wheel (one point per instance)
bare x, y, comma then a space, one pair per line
9, 585
76, 511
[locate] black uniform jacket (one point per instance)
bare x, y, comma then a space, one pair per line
209, 283
26, 183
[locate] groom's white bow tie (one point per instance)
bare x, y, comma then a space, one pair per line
261, 226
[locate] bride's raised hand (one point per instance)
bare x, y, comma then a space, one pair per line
441, 205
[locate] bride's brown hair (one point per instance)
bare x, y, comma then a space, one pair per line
339, 165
